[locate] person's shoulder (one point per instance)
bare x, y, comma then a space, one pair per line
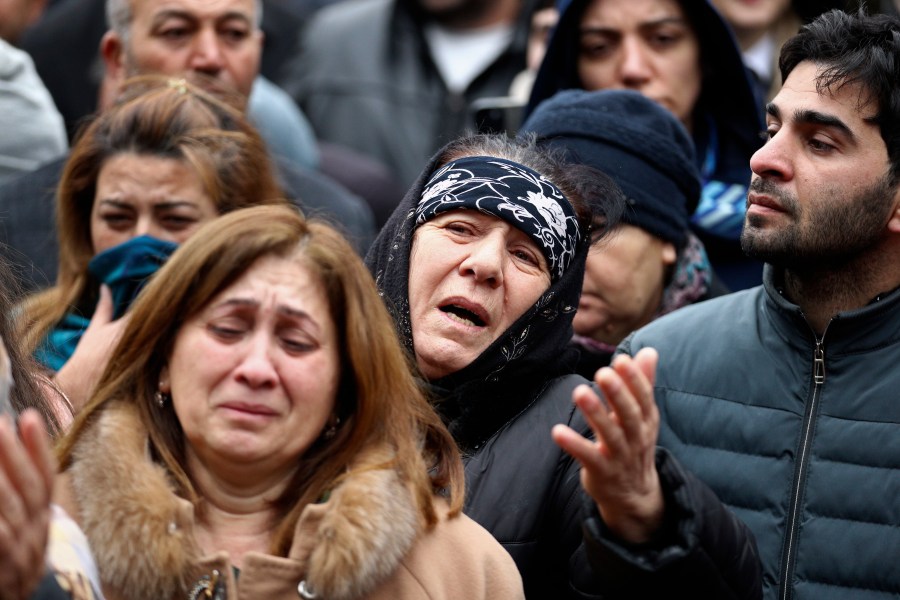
717, 316
350, 13
458, 558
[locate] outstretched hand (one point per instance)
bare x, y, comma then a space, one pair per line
80, 374
618, 468
26, 486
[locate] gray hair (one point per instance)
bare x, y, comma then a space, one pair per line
119, 16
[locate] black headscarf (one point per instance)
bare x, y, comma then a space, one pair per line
509, 375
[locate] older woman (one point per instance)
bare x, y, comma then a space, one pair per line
481, 266
140, 180
259, 417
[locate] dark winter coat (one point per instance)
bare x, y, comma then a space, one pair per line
798, 434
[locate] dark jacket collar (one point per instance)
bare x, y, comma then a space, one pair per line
874, 325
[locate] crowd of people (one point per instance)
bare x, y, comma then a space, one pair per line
370, 299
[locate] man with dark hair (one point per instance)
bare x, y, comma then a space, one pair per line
783, 398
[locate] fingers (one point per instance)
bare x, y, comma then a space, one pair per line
37, 443
103, 312
581, 449
647, 360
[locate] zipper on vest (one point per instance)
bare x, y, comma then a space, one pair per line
789, 550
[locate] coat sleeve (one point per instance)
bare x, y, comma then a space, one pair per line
702, 549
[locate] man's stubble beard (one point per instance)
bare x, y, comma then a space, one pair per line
834, 234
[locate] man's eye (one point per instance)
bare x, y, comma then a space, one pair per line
174, 33
235, 35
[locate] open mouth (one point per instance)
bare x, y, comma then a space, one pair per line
463, 315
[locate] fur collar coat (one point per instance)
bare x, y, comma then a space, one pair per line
366, 541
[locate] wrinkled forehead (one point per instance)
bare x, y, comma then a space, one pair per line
216, 10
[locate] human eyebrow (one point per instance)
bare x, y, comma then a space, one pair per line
773, 110
814, 117
162, 16
114, 203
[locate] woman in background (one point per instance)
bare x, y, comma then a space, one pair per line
140, 179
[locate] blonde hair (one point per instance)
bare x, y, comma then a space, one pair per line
379, 401
154, 116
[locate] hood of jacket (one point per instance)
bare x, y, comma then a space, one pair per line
478, 399
727, 96
141, 531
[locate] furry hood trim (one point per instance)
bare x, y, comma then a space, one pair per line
141, 532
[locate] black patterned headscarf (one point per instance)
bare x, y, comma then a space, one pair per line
510, 374
507, 190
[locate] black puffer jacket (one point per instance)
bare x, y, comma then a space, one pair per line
523, 488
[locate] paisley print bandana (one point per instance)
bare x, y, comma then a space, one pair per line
509, 191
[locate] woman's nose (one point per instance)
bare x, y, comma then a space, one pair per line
485, 259
256, 368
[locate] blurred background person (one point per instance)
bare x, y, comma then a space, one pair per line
259, 431
33, 131
76, 28
682, 55
651, 264
762, 26
143, 177
219, 50
396, 79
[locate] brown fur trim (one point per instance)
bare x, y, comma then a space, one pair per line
370, 524
141, 532
138, 529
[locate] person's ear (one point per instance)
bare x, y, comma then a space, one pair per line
894, 221
112, 51
669, 254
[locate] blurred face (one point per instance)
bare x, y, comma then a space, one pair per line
471, 276
147, 195
16, 16
751, 16
820, 189
643, 45
219, 39
542, 24
624, 281
254, 375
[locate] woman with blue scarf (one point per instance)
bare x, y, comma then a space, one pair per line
141, 179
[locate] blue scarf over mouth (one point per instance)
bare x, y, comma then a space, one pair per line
124, 269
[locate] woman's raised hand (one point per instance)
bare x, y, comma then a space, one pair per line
81, 372
26, 486
618, 468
